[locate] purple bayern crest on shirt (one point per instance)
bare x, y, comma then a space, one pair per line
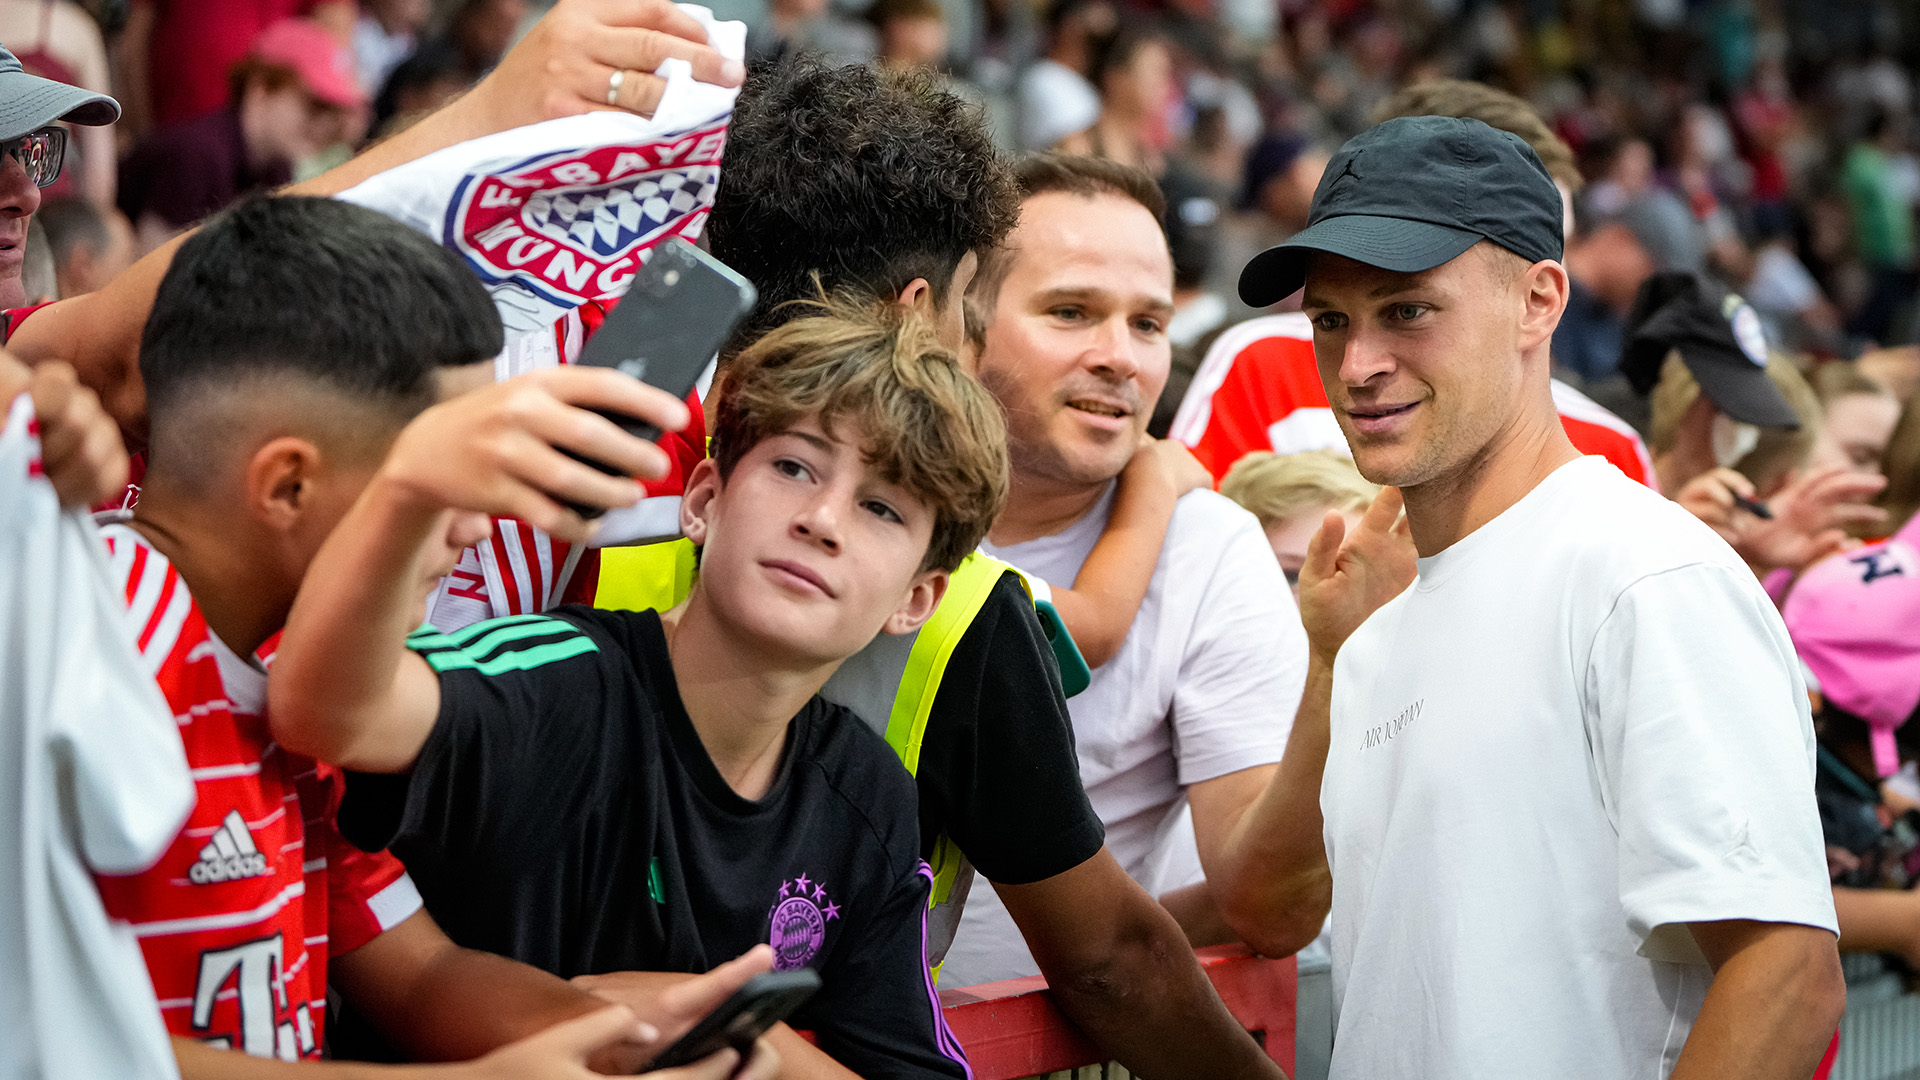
798, 925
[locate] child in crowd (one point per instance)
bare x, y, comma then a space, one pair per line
1291, 494
1855, 621
290, 341
1857, 417
596, 790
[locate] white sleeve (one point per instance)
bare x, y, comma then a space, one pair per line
1704, 752
1245, 663
124, 759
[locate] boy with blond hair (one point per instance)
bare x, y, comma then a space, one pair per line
592, 790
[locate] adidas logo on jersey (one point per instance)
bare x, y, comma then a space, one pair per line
229, 856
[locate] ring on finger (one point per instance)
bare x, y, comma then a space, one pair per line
613, 86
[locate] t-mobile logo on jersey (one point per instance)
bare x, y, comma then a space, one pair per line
1380, 734
799, 923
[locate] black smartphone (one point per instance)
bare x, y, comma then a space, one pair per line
764, 1001
677, 312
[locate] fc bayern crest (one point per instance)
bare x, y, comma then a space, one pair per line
573, 226
799, 921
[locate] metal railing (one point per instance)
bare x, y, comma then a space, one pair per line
1013, 1030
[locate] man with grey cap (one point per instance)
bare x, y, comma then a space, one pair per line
33, 147
1565, 777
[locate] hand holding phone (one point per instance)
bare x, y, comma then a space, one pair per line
764, 1001
677, 312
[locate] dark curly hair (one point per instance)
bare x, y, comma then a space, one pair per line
865, 177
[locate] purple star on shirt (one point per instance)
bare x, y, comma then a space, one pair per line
833, 911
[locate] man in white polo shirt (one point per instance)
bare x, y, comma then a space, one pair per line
1070, 319
1568, 773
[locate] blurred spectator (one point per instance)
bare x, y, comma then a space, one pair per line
1133, 71
90, 246
58, 40
31, 153
483, 30
287, 101
1902, 464
1606, 265
1195, 207
1282, 170
1767, 455
36, 271
1882, 225
431, 77
1897, 369
1056, 100
1624, 190
1855, 621
1291, 493
1857, 418
174, 56
794, 26
913, 33
386, 33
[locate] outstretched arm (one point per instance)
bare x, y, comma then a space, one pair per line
345, 689
1268, 871
560, 68
1120, 967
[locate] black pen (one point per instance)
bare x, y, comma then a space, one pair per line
1757, 509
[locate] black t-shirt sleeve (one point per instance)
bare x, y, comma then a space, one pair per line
997, 767
877, 1012
522, 736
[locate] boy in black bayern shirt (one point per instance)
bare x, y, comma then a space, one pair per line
594, 791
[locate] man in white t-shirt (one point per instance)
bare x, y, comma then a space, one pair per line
1196, 705
1568, 774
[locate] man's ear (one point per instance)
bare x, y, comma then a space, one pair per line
696, 503
920, 602
280, 480
1544, 290
917, 294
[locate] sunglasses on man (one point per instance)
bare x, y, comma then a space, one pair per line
39, 152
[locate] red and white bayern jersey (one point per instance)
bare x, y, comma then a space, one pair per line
1259, 389
237, 919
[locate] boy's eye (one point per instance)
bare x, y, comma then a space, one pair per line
790, 467
883, 511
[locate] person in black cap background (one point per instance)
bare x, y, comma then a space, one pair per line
34, 148
1566, 777
1687, 328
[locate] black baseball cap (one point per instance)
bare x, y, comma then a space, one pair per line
29, 102
1416, 192
1719, 338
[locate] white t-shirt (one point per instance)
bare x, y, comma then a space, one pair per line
1206, 684
92, 778
1582, 727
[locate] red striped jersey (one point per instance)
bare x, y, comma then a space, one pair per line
1259, 389
237, 919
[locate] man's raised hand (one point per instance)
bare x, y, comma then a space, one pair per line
1347, 578
565, 64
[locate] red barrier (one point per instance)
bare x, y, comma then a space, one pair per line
1013, 1029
